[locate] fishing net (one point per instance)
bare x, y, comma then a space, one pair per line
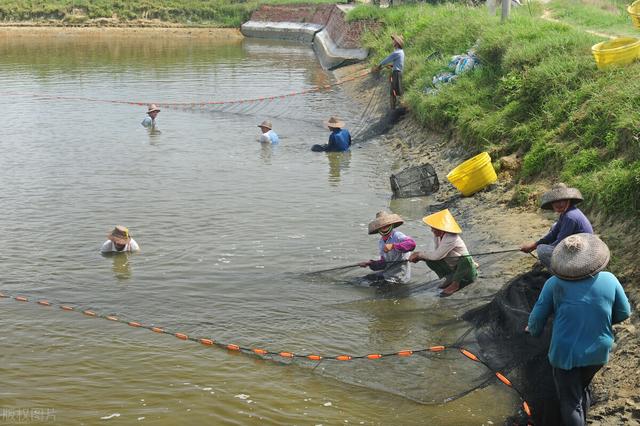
493, 331
415, 181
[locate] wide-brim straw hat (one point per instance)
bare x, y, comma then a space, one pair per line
267, 124
119, 235
443, 221
579, 256
560, 191
153, 108
334, 122
384, 219
398, 39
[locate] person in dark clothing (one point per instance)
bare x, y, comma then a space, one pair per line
339, 139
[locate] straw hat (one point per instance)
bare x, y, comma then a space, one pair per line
560, 191
579, 256
267, 124
398, 39
119, 235
384, 219
443, 221
153, 108
334, 122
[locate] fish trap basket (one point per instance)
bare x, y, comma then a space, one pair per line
616, 52
634, 12
415, 181
473, 175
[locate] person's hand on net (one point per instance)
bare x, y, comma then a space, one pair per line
415, 257
364, 264
388, 248
528, 248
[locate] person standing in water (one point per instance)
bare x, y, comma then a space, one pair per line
150, 119
268, 135
339, 139
119, 240
394, 248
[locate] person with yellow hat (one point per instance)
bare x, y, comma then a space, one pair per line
394, 247
450, 258
150, 119
119, 240
268, 135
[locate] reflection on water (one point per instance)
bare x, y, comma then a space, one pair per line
338, 162
121, 265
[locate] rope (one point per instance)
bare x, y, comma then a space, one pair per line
283, 354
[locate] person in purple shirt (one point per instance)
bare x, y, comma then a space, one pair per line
585, 301
339, 139
561, 199
394, 247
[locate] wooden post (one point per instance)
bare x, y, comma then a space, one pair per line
506, 8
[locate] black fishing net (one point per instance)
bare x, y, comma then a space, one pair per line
493, 331
415, 181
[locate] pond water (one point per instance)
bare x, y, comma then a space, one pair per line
228, 229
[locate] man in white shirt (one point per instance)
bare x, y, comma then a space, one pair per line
119, 240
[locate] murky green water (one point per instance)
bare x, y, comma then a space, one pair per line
227, 228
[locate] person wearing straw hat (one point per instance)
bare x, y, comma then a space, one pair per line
450, 257
586, 301
396, 59
152, 113
561, 199
394, 247
339, 139
268, 135
119, 240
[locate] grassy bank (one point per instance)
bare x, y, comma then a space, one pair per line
218, 13
538, 94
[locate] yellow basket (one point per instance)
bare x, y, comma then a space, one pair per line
634, 11
619, 51
473, 175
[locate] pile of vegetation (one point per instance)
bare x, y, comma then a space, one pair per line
217, 13
538, 94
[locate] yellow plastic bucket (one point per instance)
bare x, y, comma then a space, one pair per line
634, 11
619, 51
473, 175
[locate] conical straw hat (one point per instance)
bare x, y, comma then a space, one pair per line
444, 221
267, 124
384, 219
119, 235
334, 122
579, 256
398, 39
560, 191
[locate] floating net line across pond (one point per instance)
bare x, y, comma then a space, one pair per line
492, 347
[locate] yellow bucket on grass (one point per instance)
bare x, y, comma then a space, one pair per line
473, 175
634, 11
619, 51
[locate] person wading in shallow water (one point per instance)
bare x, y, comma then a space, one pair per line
119, 241
396, 59
339, 139
150, 119
450, 258
561, 199
394, 248
268, 135
586, 301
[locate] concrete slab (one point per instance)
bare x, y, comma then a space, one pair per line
331, 56
281, 30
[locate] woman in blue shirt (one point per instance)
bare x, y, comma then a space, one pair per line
586, 302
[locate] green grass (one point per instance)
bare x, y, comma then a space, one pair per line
538, 93
219, 13
607, 16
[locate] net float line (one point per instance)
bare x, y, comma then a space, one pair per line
194, 104
282, 354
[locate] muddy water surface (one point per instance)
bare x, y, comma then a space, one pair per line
227, 227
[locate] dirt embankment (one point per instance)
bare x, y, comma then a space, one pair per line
616, 387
